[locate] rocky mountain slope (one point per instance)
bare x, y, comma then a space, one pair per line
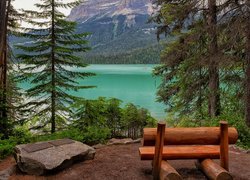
111, 8
119, 30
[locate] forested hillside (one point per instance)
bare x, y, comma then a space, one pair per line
119, 31
149, 55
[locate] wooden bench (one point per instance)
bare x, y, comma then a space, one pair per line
203, 143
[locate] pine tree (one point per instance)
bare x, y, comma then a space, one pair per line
247, 74
2, 24
48, 61
8, 89
3, 122
191, 67
214, 94
13, 95
184, 75
234, 23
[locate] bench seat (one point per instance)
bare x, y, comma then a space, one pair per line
182, 152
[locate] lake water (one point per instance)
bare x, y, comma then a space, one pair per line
129, 83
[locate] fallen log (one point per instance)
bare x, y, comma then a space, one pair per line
189, 136
213, 170
168, 172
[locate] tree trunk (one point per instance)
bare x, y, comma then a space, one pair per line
200, 96
5, 61
247, 73
2, 24
3, 74
214, 95
53, 93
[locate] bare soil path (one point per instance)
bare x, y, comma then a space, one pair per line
122, 162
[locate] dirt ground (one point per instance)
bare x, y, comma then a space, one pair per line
122, 162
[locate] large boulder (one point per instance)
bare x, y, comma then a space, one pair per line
43, 157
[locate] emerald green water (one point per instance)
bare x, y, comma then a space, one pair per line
130, 83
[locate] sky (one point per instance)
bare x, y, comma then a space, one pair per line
29, 5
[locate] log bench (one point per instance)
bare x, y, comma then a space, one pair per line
202, 143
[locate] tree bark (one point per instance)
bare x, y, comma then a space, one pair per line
53, 93
247, 73
214, 95
2, 24
3, 68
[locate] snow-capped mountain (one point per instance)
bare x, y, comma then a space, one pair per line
117, 27
111, 8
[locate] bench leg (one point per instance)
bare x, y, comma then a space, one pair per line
168, 172
224, 158
159, 143
213, 170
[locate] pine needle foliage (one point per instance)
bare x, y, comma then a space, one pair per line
184, 75
9, 95
234, 25
49, 60
191, 59
184, 69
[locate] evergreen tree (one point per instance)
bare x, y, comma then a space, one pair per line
3, 120
234, 24
184, 75
113, 116
191, 68
220, 42
49, 61
8, 89
3, 6
247, 59
213, 68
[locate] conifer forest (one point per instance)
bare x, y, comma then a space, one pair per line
201, 52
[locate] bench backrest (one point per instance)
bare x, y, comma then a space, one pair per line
189, 136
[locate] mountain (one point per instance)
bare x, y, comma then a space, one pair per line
119, 31
111, 8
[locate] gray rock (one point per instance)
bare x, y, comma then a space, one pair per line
137, 140
51, 158
90, 155
115, 141
98, 146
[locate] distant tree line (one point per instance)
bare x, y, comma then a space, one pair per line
149, 55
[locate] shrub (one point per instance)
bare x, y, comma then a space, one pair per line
7, 147
233, 119
93, 135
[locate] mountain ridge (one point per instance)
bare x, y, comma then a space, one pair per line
111, 8
118, 28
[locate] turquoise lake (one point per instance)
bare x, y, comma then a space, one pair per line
129, 83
